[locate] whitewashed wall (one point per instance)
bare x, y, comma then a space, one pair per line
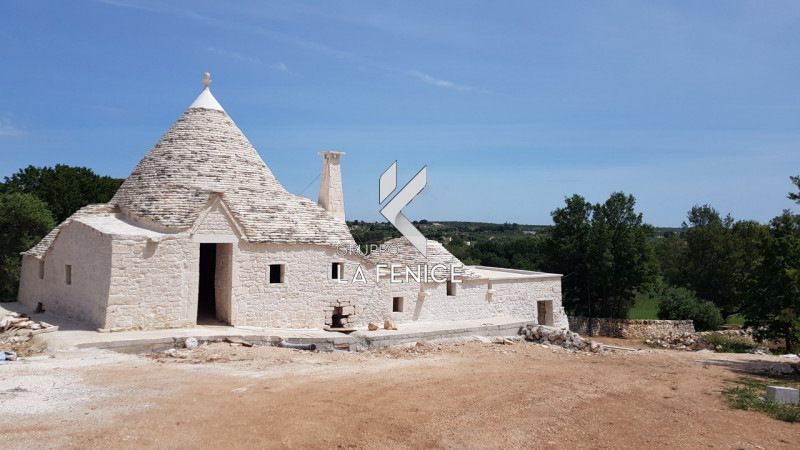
153, 284
125, 282
89, 253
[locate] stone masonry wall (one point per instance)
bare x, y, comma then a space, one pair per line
88, 253
308, 292
153, 284
630, 329
131, 282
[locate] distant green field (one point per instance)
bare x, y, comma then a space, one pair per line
648, 309
644, 309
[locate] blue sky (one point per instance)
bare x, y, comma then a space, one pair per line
512, 105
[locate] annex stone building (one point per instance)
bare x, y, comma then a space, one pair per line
202, 231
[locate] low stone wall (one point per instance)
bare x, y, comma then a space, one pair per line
630, 329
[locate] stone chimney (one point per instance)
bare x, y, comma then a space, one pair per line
331, 196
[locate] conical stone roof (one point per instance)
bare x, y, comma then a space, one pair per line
204, 152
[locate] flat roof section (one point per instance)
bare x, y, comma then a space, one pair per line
497, 273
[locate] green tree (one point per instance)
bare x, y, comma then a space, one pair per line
670, 254
63, 188
792, 195
604, 252
718, 258
566, 251
24, 220
622, 256
776, 283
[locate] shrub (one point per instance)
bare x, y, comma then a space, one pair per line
730, 344
676, 303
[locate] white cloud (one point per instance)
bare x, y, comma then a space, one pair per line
444, 83
8, 130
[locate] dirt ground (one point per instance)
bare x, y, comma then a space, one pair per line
455, 395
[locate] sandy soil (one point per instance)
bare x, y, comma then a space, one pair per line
457, 395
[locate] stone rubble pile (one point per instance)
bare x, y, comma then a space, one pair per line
680, 341
18, 328
561, 337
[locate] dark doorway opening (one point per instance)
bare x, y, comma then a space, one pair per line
206, 295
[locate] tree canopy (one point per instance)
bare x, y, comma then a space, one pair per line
24, 220
63, 188
717, 261
795, 195
604, 253
775, 309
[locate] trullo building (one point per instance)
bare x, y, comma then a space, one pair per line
202, 230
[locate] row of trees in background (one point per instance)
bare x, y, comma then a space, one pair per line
712, 269
33, 201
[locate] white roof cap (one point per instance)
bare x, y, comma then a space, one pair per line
205, 99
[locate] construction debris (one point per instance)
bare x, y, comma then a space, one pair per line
236, 342
17, 328
563, 338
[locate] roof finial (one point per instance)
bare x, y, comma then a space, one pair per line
206, 79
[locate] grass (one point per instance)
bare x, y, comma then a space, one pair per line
749, 395
730, 344
645, 308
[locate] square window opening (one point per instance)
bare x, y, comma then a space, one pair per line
276, 273
68, 272
397, 304
451, 289
337, 271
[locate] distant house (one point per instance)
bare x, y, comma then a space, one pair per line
202, 230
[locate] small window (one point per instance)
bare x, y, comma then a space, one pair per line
41, 270
337, 271
276, 273
451, 289
397, 304
68, 273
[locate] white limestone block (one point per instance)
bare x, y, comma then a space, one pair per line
781, 394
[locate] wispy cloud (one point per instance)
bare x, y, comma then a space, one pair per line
234, 55
9, 130
301, 42
249, 59
444, 83
126, 5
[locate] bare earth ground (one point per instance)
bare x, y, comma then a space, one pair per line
457, 395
